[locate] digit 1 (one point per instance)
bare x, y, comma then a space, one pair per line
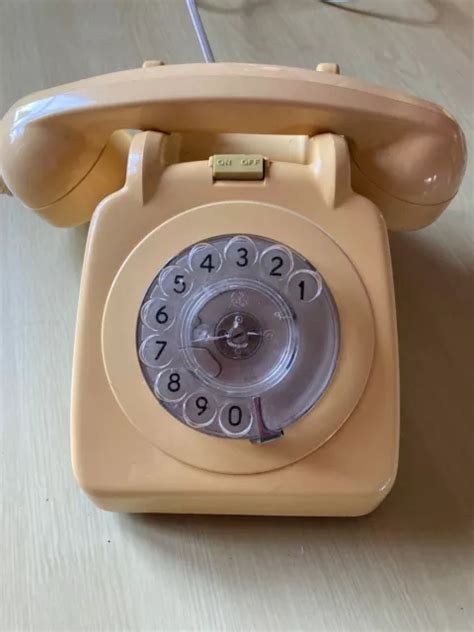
301, 286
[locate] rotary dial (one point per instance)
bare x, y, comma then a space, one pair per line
238, 337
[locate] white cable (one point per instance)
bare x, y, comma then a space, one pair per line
200, 31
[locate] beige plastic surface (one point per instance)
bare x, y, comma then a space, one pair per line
127, 461
409, 153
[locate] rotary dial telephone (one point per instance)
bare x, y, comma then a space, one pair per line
236, 347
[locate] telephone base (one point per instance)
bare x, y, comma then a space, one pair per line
129, 453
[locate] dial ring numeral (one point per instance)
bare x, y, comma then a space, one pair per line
235, 419
158, 314
171, 385
200, 409
205, 260
175, 281
276, 262
304, 286
156, 351
241, 252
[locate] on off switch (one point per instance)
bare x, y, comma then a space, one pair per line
238, 167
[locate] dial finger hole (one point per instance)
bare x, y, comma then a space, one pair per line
241, 252
175, 281
304, 286
200, 409
156, 351
204, 260
158, 314
276, 262
235, 419
172, 385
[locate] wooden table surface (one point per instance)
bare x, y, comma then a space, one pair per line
65, 565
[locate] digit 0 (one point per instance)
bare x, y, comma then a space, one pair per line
235, 415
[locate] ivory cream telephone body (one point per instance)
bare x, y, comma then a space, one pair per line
236, 345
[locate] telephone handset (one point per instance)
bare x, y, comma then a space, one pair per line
236, 337
406, 153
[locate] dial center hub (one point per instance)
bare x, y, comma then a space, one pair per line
238, 335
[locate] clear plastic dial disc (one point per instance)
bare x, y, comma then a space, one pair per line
238, 337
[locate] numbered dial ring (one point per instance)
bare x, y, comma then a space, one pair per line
238, 337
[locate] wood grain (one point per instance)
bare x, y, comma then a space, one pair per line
64, 564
